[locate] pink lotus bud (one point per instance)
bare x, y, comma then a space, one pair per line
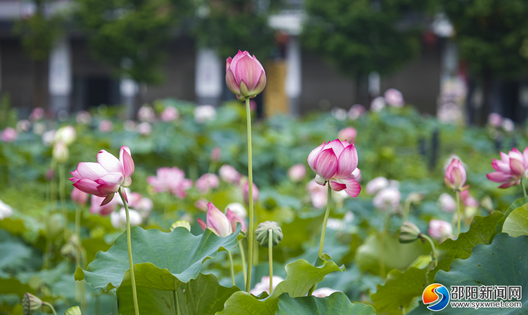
447, 203
215, 154
50, 174
246, 192
263, 285
60, 152
229, 174
96, 207
23, 125
455, 176
83, 117
495, 120
297, 172
234, 219
206, 182
356, 111
394, 98
376, 185
201, 204
171, 180
66, 135
79, 197
349, 134
204, 113
336, 162
238, 209
118, 219
105, 177
245, 76
440, 230
106, 126
144, 128
146, 114
36, 114
323, 292
169, 114
216, 221
9, 135
387, 198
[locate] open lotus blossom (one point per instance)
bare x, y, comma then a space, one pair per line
229, 174
297, 172
455, 176
216, 221
169, 114
349, 134
447, 203
245, 76
206, 182
9, 135
394, 98
79, 197
336, 162
263, 285
234, 219
510, 169
105, 177
97, 208
171, 180
440, 230
324, 292
118, 219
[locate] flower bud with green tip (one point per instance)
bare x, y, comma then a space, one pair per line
409, 233
75, 310
263, 236
182, 223
31, 304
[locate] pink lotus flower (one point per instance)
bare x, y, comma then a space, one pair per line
376, 185
447, 203
83, 117
201, 204
146, 114
387, 198
216, 221
245, 192
495, 120
263, 285
336, 162
297, 172
510, 169
234, 219
97, 208
36, 114
9, 135
169, 114
106, 126
440, 230
215, 154
245, 76
394, 98
324, 292
143, 205
356, 111
79, 197
468, 200
171, 180
455, 176
229, 174
144, 128
105, 177
317, 194
349, 134
206, 182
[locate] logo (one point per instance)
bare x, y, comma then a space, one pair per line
437, 296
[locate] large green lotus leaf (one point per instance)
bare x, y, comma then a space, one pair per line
200, 296
301, 276
480, 232
399, 290
177, 255
516, 204
396, 255
516, 224
335, 304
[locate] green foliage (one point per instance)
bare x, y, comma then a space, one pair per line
39, 33
337, 303
516, 223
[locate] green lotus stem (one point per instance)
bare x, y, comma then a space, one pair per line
50, 306
78, 254
325, 220
524, 189
62, 197
270, 255
129, 244
243, 257
251, 231
406, 210
382, 245
433, 248
232, 267
459, 211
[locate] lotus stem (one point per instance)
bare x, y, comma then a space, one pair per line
62, 197
129, 244
51, 307
523, 188
458, 211
243, 257
433, 248
270, 255
251, 231
232, 267
325, 220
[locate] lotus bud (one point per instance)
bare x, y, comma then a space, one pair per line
66, 135
31, 304
60, 152
486, 203
409, 232
73, 311
245, 76
182, 223
263, 235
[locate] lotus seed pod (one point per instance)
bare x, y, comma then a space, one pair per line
409, 232
73, 311
184, 224
30, 304
263, 236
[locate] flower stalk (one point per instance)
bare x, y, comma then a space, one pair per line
433, 248
63, 207
232, 267
523, 188
50, 306
270, 254
129, 244
243, 257
459, 211
325, 220
78, 259
251, 232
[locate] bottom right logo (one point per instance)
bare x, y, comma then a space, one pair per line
436, 297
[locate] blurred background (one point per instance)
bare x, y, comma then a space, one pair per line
460, 60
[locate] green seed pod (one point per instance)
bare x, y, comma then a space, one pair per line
184, 224
73, 311
30, 304
409, 232
263, 236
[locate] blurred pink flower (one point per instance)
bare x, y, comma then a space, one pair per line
146, 114
468, 200
263, 285
440, 230
204, 113
317, 194
106, 126
79, 197
495, 120
324, 292
245, 192
356, 111
216, 221
297, 172
66, 135
229, 174
215, 154
9, 135
206, 182
394, 98
387, 198
144, 128
23, 125
447, 203
36, 114
245, 76
96, 207
336, 162
349, 134
455, 176
171, 180
105, 177
143, 205
234, 219
83, 117
169, 114
201, 204
510, 169
376, 185
377, 104
118, 219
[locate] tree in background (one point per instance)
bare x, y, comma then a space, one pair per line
361, 36
492, 37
